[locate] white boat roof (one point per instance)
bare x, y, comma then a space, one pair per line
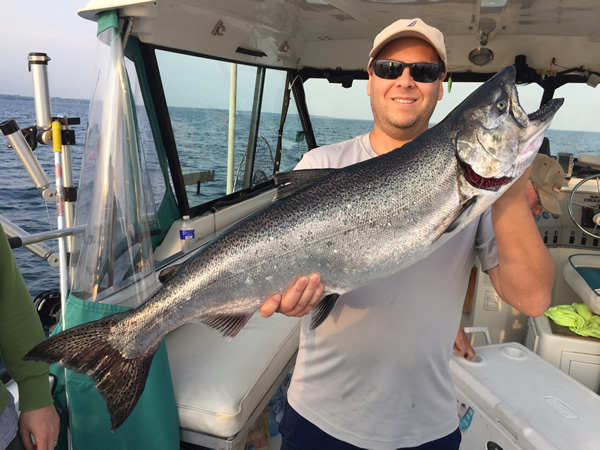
554, 35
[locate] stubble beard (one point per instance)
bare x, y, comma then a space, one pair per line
403, 130
398, 126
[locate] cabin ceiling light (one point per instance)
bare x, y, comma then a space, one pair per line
486, 26
250, 52
493, 3
481, 56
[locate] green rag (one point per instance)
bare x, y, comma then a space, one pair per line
578, 317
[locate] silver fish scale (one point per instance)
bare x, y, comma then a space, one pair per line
364, 222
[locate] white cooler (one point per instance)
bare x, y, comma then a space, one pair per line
510, 398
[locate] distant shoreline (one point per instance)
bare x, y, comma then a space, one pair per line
78, 100
30, 98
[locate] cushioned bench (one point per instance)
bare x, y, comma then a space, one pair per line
221, 386
582, 273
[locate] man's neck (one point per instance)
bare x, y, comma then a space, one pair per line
383, 143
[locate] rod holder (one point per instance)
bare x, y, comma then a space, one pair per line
37, 248
23, 150
38, 66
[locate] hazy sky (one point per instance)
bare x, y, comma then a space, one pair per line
53, 28
70, 41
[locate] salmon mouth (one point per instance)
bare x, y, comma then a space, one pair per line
547, 109
489, 184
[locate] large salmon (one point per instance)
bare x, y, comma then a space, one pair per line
351, 225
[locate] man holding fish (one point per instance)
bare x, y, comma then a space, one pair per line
393, 238
375, 373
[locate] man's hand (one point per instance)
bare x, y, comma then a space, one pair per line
462, 345
298, 301
43, 424
515, 192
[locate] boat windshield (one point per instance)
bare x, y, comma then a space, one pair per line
213, 117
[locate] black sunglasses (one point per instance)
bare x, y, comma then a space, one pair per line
420, 72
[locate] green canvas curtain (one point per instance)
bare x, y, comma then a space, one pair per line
152, 425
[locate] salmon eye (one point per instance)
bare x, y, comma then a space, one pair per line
501, 105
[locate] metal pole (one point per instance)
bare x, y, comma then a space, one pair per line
67, 183
28, 239
62, 250
231, 138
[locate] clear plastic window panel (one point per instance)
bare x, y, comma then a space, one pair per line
199, 97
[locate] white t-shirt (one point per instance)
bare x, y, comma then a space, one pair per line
375, 373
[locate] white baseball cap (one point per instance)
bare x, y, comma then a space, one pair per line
547, 176
410, 28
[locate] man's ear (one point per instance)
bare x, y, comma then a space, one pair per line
441, 94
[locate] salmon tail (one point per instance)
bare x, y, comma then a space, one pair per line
88, 349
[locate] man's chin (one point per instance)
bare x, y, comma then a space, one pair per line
406, 130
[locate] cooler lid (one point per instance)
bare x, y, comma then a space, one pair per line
541, 406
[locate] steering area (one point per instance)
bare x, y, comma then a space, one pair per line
591, 210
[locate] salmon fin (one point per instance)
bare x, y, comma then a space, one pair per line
229, 325
87, 349
289, 183
322, 310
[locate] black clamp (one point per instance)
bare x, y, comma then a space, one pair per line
70, 194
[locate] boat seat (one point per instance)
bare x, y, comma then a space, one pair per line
582, 273
222, 385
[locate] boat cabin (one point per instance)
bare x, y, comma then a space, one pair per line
229, 92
